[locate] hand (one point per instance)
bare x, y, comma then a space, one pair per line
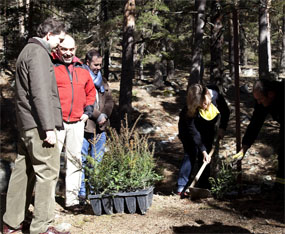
206, 157
241, 153
84, 118
221, 133
51, 137
103, 120
238, 156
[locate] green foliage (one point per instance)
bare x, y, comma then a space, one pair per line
151, 59
128, 164
225, 181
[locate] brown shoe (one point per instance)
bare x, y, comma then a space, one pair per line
52, 230
7, 229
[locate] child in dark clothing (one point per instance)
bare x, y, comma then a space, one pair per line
197, 129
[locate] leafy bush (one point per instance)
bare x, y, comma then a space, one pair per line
225, 181
128, 165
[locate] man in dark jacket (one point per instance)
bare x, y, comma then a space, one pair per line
77, 96
269, 96
39, 118
94, 132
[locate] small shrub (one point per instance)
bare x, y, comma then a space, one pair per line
225, 181
128, 165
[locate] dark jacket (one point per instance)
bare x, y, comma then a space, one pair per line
276, 110
199, 133
37, 100
76, 90
106, 104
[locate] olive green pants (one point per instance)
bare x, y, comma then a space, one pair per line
36, 169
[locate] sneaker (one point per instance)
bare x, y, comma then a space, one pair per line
183, 194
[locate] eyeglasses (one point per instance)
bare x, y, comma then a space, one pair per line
63, 49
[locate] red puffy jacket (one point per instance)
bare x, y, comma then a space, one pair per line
77, 92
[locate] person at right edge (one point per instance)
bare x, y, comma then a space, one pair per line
269, 96
197, 130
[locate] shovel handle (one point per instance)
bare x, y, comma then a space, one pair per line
197, 177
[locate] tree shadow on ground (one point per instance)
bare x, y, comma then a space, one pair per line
268, 205
175, 108
217, 227
169, 160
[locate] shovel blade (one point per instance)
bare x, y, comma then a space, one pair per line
198, 193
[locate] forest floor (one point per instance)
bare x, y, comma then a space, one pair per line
257, 210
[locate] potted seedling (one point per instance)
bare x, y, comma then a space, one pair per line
125, 178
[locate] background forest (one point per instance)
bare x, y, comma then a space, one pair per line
149, 41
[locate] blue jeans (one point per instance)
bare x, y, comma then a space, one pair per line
184, 172
96, 152
188, 163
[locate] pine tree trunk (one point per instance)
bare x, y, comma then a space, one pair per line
31, 19
264, 40
170, 69
243, 48
127, 75
106, 72
216, 68
282, 63
196, 73
170, 66
231, 48
140, 64
160, 67
21, 7
158, 75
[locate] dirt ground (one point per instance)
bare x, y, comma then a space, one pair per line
257, 210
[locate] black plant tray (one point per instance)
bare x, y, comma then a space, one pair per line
125, 202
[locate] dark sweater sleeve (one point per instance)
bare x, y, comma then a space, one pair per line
256, 122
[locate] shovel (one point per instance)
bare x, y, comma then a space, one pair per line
197, 193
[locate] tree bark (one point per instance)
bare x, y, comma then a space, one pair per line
104, 6
140, 64
196, 73
127, 75
21, 18
265, 63
231, 47
243, 48
282, 63
216, 68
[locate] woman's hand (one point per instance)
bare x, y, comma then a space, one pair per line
206, 157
